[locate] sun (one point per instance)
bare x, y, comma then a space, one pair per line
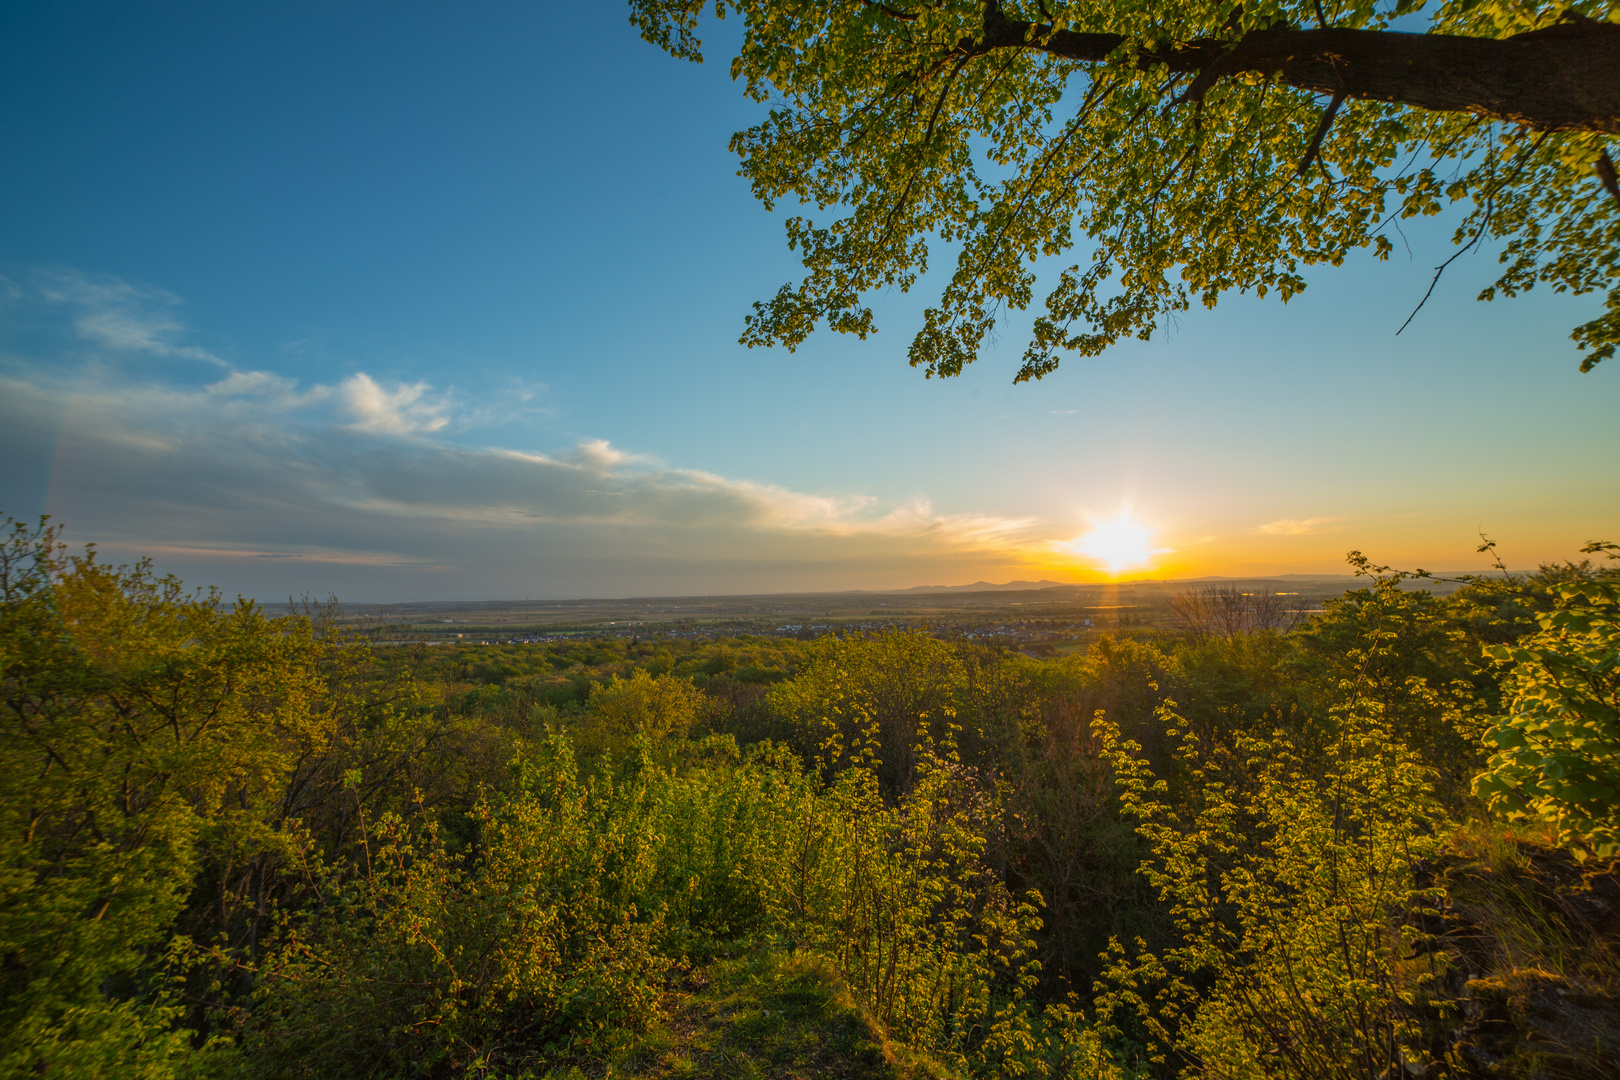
1119, 544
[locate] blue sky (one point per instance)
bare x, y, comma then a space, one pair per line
430, 301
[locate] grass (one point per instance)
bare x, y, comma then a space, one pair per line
1530, 977
764, 1014
1523, 895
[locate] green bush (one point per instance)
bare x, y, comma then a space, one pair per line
582, 894
146, 733
1557, 750
1286, 886
427, 958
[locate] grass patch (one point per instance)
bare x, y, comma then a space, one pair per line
1526, 982
765, 1014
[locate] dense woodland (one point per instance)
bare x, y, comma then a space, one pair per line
1379, 844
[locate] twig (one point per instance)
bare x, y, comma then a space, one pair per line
1487, 545
1479, 233
1441, 269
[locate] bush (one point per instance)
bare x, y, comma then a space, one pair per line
426, 958
1285, 886
658, 708
146, 733
1557, 750
880, 700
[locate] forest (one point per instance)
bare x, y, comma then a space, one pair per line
1382, 843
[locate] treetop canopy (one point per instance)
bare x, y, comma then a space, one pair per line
1165, 152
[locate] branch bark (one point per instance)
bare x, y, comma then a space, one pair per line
1321, 133
1565, 77
1605, 171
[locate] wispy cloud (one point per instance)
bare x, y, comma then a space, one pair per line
263, 387
514, 401
1300, 526
324, 556
115, 314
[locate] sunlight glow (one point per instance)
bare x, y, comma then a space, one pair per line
1119, 544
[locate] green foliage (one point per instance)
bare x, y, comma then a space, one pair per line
883, 699
1061, 829
657, 708
427, 959
144, 729
1557, 750
167, 764
901, 902
583, 894
1420, 658
903, 128
1284, 884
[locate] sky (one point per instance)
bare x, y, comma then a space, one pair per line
408, 301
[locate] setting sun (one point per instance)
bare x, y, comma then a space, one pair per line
1119, 544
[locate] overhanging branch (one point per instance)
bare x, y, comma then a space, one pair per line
1565, 77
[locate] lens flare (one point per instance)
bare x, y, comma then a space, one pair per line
1120, 544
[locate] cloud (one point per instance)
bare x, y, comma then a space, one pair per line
253, 481
401, 410
272, 390
313, 555
98, 322
267, 487
599, 456
115, 315
514, 401
1300, 526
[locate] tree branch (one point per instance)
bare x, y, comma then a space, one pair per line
1321, 133
1479, 233
1605, 171
1564, 77
1441, 269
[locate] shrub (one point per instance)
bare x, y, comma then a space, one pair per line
146, 733
658, 708
880, 699
428, 958
1285, 885
1557, 749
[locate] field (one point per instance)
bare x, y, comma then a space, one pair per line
1061, 618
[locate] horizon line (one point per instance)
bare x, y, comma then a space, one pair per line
1043, 585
